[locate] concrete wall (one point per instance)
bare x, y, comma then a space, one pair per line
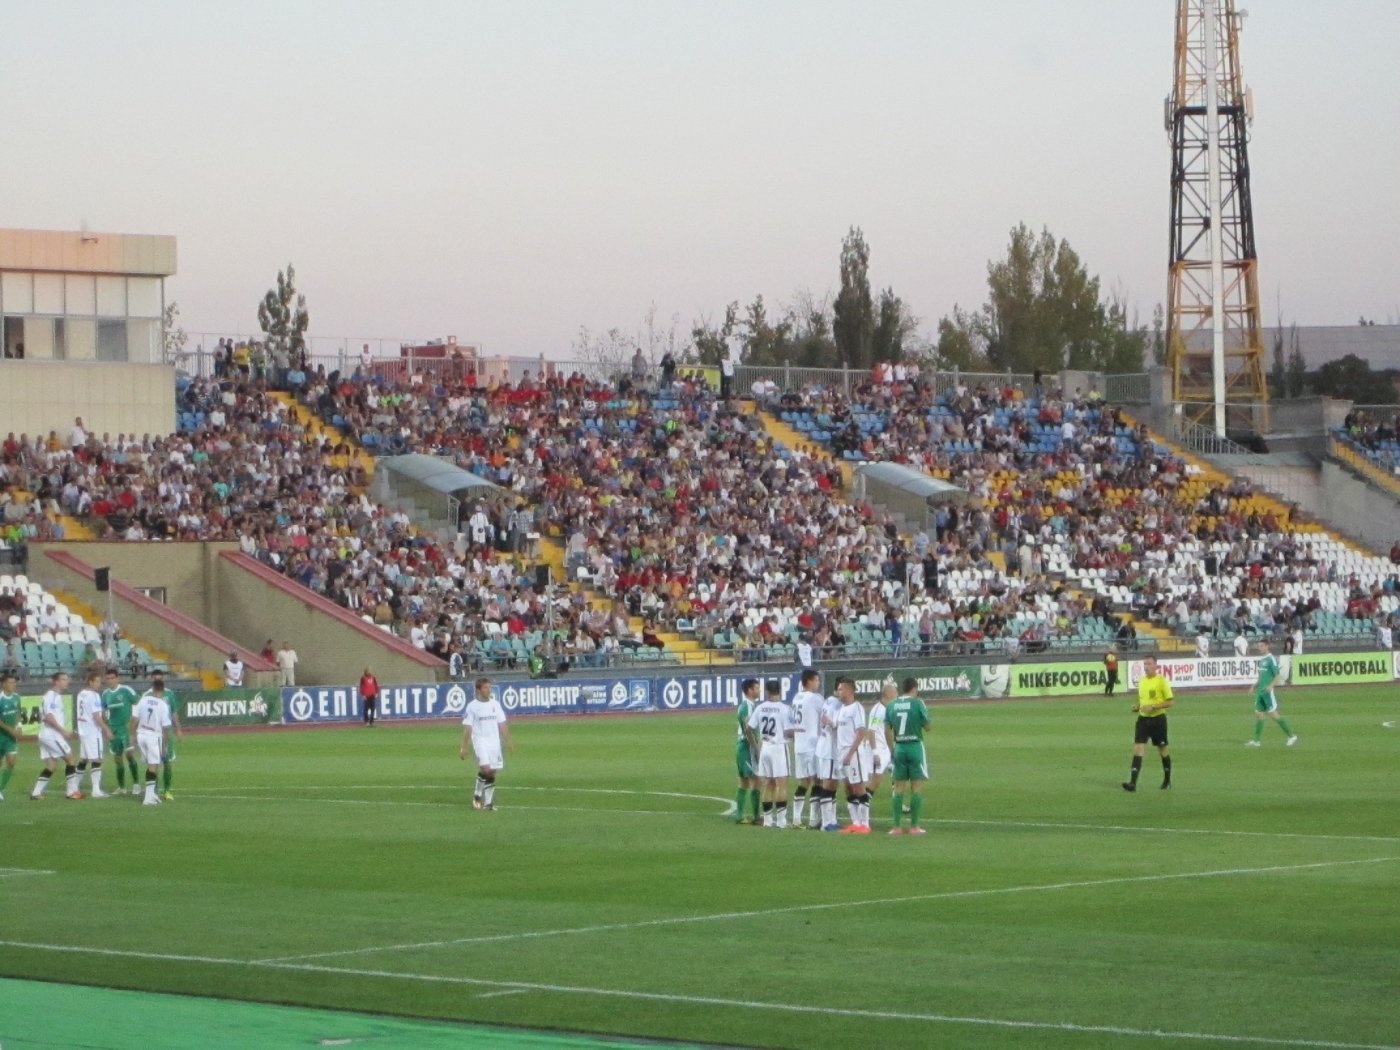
243, 606
1361, 509
188, 640
334, 646
111, 398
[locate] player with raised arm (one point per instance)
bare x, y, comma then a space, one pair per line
828, 767
770, 726
853, 746
93, 732
1154, 697
906, 718
879, 747
484, 731
53, 741
1266, 700
118, 700
807, 716
9, 730
155, 727
167, 757
747, 792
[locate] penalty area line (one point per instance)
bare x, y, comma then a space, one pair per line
512, 987
15, 873
682, 920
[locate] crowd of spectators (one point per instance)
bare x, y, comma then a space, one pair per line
681, 513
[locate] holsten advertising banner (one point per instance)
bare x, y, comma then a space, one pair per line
935, 683
230, 707
29, 717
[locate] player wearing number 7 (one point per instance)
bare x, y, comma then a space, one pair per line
154, 735
906, 718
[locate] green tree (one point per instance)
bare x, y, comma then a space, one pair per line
1352, 379
1044, 311
175, 335
1297, 370
961, 342
895, 328
765, 342
710, 341
854, 323
283, 318
1278, 373
1159, 335
811, 342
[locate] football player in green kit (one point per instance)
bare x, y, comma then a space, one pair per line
1265, 702
117, 702
9, 731
906, 718
747, 791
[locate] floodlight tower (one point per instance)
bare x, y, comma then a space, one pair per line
1213, 329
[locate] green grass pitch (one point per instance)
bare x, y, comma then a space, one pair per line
1256, 903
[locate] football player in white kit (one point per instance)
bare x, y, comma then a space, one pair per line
93, 732
53, 741
807, 716
769, 727
828, 766
880, 747
155, 730
853, 746
484, 731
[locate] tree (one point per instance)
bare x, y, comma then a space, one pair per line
1297, 367
1352, 379
283, 318
895, 328
175, 335
961, 342
609, 352
811, 343
1043, 311
1278, 373
765, 343
854, 323
1159, 336
711, 342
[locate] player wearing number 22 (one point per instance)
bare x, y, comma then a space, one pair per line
906, 718
770, 726
1154, 697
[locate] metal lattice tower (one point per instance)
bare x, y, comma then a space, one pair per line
1213, 325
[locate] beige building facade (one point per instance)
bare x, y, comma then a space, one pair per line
82, 296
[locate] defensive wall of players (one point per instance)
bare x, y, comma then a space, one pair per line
663, 692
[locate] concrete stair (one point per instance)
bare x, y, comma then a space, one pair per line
319, 428
794, 439
210, 679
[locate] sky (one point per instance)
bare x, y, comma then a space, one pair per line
510, 172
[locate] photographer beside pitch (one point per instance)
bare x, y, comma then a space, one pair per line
1154, 697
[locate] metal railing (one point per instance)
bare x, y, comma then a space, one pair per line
1203, 440
1131, 388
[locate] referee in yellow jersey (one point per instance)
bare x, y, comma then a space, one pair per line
1154, 697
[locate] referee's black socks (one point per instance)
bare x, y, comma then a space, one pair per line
1166, 770
1137, 769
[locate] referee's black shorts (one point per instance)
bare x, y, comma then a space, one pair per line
1151, 730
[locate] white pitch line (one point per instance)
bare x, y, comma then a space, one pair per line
744, 1004
1164, 831
436, 805
1387, 725
825, 906
15, 873
503, 991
